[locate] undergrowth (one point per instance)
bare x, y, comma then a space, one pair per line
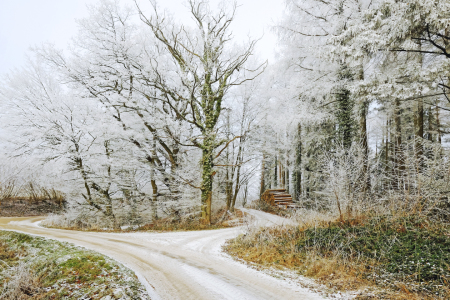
404, 257
219, 219
37, 268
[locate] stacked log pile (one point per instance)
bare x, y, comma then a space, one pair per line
279, 198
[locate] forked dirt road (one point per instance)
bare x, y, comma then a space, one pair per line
179, 265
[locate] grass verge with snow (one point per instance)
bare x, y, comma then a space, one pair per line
38, 268
406, 257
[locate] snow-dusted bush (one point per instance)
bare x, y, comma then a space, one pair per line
21, 283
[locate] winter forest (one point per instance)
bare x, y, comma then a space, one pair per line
330, 160
145, 117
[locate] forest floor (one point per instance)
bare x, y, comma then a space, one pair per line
220, 219
27, 207
184, 264
37, 268
402, 257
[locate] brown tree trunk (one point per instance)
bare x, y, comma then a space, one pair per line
228, 187
430, 124
207, 180
418, 125
263, 168
386, 150
275, 175
399, 163
365, 145
154, 203
237, 169
237, 187
287, 177
438, 124
298, 165
418, 121
280, 172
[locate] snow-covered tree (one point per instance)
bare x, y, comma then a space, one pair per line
54, 124
202, 67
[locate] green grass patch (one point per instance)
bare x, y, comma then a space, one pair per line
410, 250
37, 268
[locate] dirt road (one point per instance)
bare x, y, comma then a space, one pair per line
179, 265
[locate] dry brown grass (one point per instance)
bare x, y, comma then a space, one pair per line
278, 248
21, 282
279, 251
220, 219
29, 200
30, 192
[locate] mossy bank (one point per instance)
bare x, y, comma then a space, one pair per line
386, 257
37, 268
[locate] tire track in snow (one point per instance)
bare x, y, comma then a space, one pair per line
179, 265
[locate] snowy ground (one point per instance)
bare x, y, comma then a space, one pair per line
180, 265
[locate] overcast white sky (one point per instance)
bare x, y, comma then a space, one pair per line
25, 23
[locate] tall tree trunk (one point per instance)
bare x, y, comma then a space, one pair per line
173, 170
438, 124
345, 111
270, 175
229, 175
287, 177
307, 165
228, 187
106, 191
280, 170
275, 175
345, 117
237, 187
399, 163
263, 172
207, 176
447, 48
154, 202
365, 145
419, 129
364, 110
430, 124
153, 184
418, 125
386, 152
298, 165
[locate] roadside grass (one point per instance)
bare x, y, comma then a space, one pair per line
37, 268
406, 257
220, 219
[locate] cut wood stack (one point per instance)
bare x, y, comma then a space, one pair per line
279, 198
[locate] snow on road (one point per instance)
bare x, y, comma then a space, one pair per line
261, 218
180, 265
